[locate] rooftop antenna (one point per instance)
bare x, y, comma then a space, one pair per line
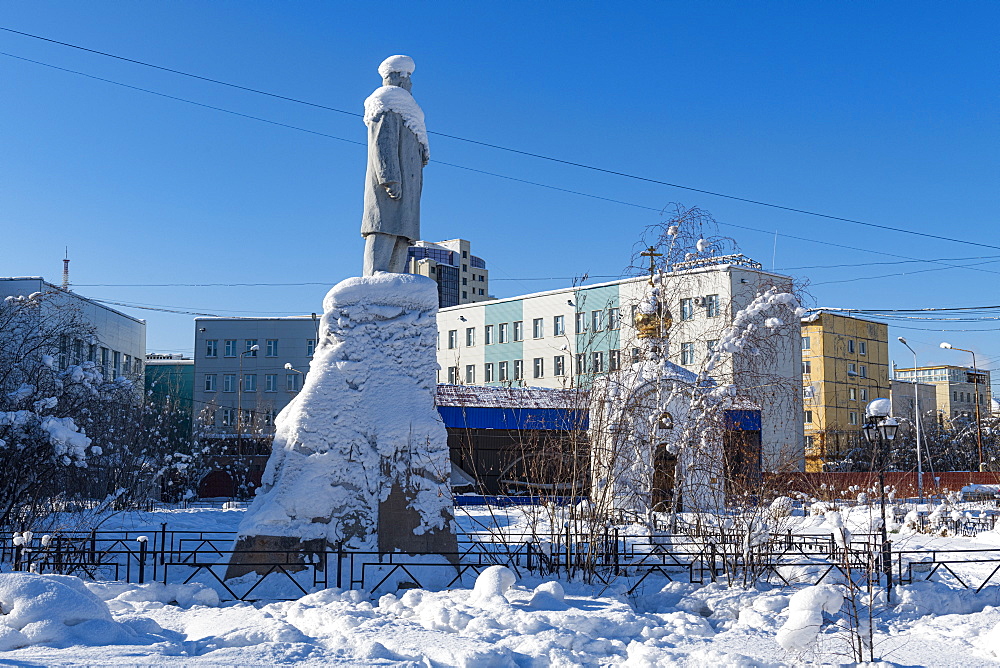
65, 283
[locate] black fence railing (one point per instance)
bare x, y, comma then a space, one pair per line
603, 558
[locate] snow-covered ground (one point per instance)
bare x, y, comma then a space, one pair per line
504, 620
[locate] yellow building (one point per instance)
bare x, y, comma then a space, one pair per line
845, 365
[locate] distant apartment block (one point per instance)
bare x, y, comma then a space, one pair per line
845, 365
462, 277
117, 344
238, 390
958, 389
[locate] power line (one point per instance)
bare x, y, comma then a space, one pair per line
479, 171
508, 149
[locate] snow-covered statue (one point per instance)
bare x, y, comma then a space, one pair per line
645, 447
360, 456
397, 154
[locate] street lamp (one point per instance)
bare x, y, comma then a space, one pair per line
252, 351
879, 428
975, 381
916, 420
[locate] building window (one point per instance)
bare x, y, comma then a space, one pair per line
687, 353
864, 371
687, 308
470, 374
581, 323
465, 280
452, 339
470, 336
636, 355
453, 375
852, 417
518, 369
613, 318
292, 382
465, 267
465, 294
210, 382
852, 393
954, 396
538, 367
852, 369
228, 417
482, 291
597, 320
488, 372
503, 371
271, 348
229, 382
230, 349
538, 328
488, 335
712, 306
581, 363
711, 345
850, 345
502, 333
809, 416
211, 348
116, 363
310, 347
597, 361
250, 343
519, 331
862, 347
558, 325
614, 360
864, 394
269, 417
250, 382
559, 365
271, 382
806, 343
806, 367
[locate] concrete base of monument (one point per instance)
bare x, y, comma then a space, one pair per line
267, 554
397, 526
360, 456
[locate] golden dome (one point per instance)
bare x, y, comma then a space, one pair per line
653, 325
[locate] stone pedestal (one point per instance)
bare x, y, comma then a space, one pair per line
360, 456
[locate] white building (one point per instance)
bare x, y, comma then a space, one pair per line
562, 338
118, 341
229, 375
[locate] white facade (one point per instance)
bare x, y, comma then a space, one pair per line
118, 345
561, 338
265, 385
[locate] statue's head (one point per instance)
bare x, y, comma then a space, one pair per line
396, 71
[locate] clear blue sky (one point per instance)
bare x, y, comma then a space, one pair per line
884, 112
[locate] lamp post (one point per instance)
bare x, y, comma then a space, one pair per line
916, 420
878, 429
975, 382
252, 351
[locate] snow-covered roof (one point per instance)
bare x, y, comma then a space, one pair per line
484, 396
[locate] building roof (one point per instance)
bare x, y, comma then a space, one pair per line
74, 294
821, 312
619, 281
486, 396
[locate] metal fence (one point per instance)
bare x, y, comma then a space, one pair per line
608, 558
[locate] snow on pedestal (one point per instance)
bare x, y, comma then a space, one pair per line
360, 456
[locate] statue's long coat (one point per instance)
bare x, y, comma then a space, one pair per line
394, 154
